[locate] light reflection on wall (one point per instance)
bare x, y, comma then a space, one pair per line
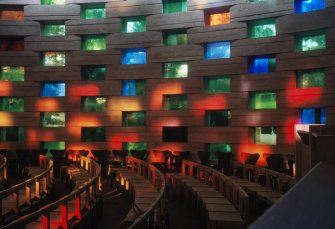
46, 104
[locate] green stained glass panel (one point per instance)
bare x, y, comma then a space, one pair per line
175, 102
94, 104
217, 118
134, 24
262, 100
217, 147
97, 72
53, 119
52, 2
53, 145
133, 118
174, 6
175, 70
9, 73
53, 30
53, 58
175, 39
265, 135
12, 104
311, 78
217, 84
134, 146
313, 42
11, 134
262, 28
93, 134
94, 42
94, 13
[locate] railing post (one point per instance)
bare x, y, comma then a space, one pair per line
28, 195
77, 211
37, 189
46, 220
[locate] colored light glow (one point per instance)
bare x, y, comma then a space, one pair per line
134, 56
300, 97
217, 50
47, 104
288, 129
12, 43
303, 6
219, 18
171, 87
6, 119
84, 90
252, 148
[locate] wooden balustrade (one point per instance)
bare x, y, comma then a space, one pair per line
33, 188
3, 169
84, 198
152, 214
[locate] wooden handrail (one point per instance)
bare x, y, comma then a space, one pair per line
91, 189
253, 172
46, 177
3, 168
156, 178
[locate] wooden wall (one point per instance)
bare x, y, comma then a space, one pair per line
239, 134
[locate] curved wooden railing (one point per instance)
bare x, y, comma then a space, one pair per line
39, 182
222, 183
152, 174
90, 189
3, 169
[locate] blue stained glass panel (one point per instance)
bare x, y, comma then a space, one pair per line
134, 56
313, 116
128, 87
53, 89
303, 6
262, 64
217, 50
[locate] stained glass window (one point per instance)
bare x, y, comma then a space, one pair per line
171, 39
217, 117
53, 58
313, 116
53, 119
311, 78
262, 28
174, 6
12, 104
262, 64
133, 118
93, 134
265, 135
175, 70
52, 2
53, 30
11, 13
175, 102
53, 89
134, 24
311, 42
10, 73
134, 56
93, 104
217, 84
11, 134
303, 6
94, 11
93, 42
133, 87
217, 147
217, 50
94, 72
262, 100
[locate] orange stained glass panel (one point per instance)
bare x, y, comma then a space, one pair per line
219, 19
11, 14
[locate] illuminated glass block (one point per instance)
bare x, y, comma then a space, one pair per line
175, 70
93, 11
217, 84
265, 135
133, 87
11, 13
53, 145
134, 24
217, 117
12, 104
218, 18
53, 119
93, 42
52, 2
217, 147
94, 72
133, 118
10, 73
262, 28
11, 134
134, 56
303, 6
52, 89
93, 104
134, 146
217, 50
172, 39
262, 100
311, 42
93, 134
262, 64
311, 78
313, 116
174, 6
175, 102
53, 30
53, 58
11, 43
